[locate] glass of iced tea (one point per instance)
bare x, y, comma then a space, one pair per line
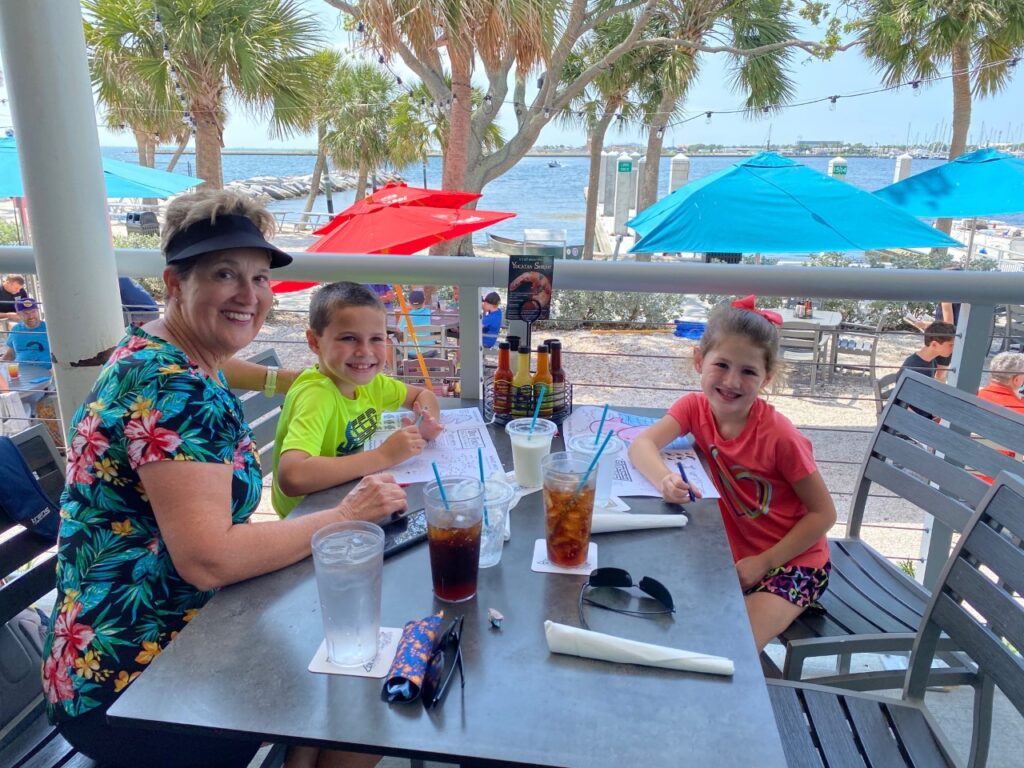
568, 507
454, 521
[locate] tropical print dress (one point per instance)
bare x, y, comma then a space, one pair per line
119, 598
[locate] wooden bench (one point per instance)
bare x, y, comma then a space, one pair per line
27, 738
977, 604
871, 605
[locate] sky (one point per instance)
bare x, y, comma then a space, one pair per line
884, 118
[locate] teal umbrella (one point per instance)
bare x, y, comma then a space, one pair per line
981, 183
121, 179
770, 204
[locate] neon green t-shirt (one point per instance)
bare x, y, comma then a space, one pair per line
319, 420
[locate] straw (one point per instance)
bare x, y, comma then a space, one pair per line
440, 486
600, 426
480, 462
593, 462
536, 408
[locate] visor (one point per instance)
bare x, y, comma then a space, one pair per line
225, 233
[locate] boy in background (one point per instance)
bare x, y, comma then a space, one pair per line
490, 325
332, 408
420, 316
938, 347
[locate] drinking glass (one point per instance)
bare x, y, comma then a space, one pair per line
453, 535
529, 446
498, 496
583, 446
568, 507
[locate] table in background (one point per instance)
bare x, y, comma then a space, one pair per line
29, 384
827, 320
240, 665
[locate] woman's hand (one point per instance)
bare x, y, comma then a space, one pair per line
751, 570
374, 498
674, 490
403, 444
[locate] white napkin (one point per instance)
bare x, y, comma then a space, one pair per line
595, 645
619, 521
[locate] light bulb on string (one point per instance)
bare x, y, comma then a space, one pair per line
766, 108
158, 26
167, 52
380, 59
360, 27
832, 103
519, 109
540, 82
916, 85
547, 113
660, 133
398, 81
707, 118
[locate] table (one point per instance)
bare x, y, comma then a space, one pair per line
827, 319
28, 383
240, 665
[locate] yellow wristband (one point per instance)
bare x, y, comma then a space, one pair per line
270, 383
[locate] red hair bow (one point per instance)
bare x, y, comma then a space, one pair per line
749, 303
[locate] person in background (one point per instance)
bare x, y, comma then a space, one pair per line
162, 479
490, 325
386, 294
774, 503
334, 407
136, 303
1006, 381
938, 345
27, 343
420, 317
12, 287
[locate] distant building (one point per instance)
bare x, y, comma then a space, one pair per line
818, 144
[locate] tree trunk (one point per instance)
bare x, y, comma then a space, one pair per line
655, 142
594, 180
961, 61
318, 170
178, 153
361, 179
209, 135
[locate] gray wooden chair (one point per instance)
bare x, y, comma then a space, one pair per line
977, 605
802, 341
871, 606
855, 347
883, 386
262, 412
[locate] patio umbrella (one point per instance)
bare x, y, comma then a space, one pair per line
399, 193
981, 183
121, 179
770, 204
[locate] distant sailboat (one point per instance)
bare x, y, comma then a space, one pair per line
554, 164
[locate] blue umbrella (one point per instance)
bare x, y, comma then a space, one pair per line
770, 204
981, 183
122, 179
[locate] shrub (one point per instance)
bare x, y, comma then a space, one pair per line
578, 309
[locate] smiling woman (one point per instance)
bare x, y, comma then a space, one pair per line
162, 475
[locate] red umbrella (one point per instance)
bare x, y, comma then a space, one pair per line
399, 193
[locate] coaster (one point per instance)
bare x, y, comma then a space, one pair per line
541, 564
387, 645
614, 504
520, 490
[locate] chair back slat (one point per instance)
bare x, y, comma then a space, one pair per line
29, 586
975, 603
262, 412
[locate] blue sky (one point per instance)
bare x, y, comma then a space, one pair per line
881, 118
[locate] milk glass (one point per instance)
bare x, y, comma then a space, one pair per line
529, 447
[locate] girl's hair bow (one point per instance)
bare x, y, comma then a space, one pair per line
749, 303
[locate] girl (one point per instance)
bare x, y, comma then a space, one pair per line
774, 503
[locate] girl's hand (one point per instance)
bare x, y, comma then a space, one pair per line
403, 444
751, 570
430, 428
374, 498
674, 490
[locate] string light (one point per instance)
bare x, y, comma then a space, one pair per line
916, 85
707, 118
660, 133
832, 103
766, 108
519, 110
360, 27
547, 113
158, 26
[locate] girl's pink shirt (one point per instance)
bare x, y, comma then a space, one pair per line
765, 459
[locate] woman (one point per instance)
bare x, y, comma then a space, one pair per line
162, 474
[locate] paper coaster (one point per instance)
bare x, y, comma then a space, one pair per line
614, 504
520, 489
387, 645
541, 564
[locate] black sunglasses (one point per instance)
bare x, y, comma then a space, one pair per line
445, 656
617, 578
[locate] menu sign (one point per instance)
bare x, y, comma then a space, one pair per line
529, 287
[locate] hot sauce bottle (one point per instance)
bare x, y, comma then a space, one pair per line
522, 386
543, 378
558, 399
503, 382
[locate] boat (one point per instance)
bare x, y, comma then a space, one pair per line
533, 248
554, 164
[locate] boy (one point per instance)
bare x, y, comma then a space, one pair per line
333, 407
938, 345
420, 316
490, 326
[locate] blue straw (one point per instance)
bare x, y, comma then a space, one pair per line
440, 486
682, 474
480, 461
593, 461
600, 426
419, 419
536, 408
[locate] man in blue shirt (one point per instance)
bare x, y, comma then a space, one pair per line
491, 324
139, 307
27, 343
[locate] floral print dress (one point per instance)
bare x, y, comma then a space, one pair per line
119, 598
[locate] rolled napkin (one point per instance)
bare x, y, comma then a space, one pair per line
574, 641
607, 522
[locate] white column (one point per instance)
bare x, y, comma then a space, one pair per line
602, 174
623, 192
679, 172
837, 168
54, 122
903, 163
608, 201
641, 164
634, 180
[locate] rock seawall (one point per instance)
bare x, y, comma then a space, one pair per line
288, 187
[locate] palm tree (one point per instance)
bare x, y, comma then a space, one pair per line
977, 40
255, 50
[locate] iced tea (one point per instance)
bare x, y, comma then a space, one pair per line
454, 561
568, 508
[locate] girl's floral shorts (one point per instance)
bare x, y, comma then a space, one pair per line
798, 584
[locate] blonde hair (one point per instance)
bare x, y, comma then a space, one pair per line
207, 205
727, 320
1005, 366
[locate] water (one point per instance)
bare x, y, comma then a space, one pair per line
542, 197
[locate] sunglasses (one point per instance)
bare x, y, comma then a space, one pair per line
617, 578
445, 656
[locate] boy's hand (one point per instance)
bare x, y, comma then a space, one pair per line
674, 490
374, 498
403, 444
430, 428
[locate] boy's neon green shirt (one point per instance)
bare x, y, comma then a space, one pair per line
317, 419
